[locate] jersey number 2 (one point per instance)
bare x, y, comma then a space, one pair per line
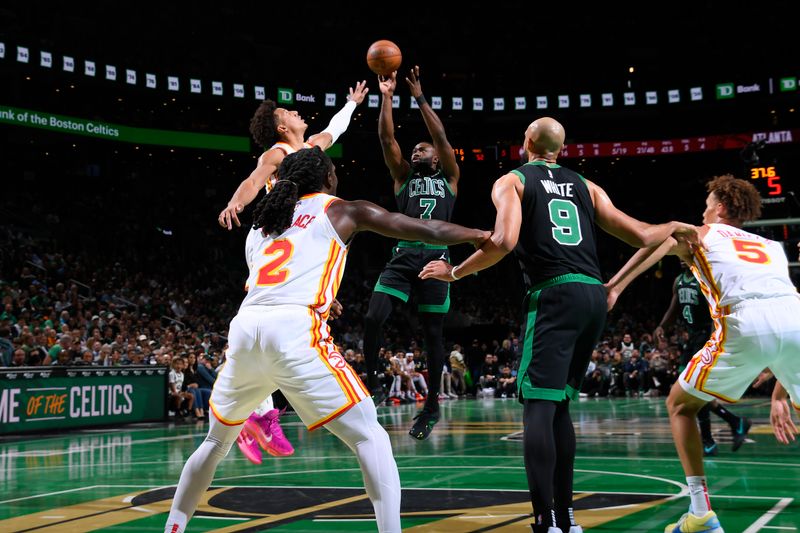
272, 273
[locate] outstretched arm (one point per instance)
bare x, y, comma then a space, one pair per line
640, 262
392, 156
436, 129
506, 198
349, 218
249, 188
340, 120
635, 232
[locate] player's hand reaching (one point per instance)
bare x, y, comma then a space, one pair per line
229, 215
357, 95
439, 269
336, 310
780, 417
485, 236
688, 234
611, 296
387, 84
413, 82
763, 377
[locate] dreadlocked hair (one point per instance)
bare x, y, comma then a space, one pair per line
262, 125
740, 197
300, 173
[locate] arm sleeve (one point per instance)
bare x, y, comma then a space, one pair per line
340, 121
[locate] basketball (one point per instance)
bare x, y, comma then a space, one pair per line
384, 57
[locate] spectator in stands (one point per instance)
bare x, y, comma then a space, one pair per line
6, 346
488, 374
506, 384
180, 401
206, 374
18, 358
457, 370
191, 384
634, 374
64, 344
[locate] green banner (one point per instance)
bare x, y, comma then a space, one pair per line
36, 399
117, 132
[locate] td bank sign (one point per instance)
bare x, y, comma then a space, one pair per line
288, 96
729, 90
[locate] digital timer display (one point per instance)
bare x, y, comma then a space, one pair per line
773, 180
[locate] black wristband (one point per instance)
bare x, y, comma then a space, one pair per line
420, 100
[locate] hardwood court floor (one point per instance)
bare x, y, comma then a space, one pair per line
468, 477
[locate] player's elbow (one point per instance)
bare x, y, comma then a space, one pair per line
504, 242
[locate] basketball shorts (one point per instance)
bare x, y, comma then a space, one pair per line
757, 334
400, 278
564, 321
286, 348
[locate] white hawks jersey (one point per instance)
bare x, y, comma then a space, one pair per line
287, 149
738, 266
303, 265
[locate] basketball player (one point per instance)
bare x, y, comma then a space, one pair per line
756, 313
280, 338
425, 188
688, 302
547, 213
283, 132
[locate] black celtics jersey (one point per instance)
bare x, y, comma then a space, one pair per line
692, 304
426, 197
557, 236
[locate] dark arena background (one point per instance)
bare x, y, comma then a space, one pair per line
124, 132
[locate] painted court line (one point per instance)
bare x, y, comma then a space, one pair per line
48, 494
769, 515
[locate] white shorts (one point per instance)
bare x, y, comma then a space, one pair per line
757, 334
286, 348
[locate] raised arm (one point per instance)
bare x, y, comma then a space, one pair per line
447, 157
250, 187
635, 232
506, 194
398, 167
340, 120
349, 218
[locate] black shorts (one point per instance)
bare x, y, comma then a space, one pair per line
697, 339
564, 321
400, 277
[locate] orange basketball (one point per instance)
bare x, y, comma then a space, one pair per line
384, 57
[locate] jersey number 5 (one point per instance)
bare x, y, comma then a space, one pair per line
750, 251
272, 273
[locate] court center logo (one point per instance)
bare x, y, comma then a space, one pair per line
429, 510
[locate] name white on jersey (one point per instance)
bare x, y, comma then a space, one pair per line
740, 265
303, 265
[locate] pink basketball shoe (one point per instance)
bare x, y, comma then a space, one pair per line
249, 447
269, 434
